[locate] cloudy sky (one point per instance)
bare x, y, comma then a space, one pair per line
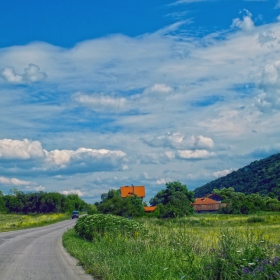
99, 94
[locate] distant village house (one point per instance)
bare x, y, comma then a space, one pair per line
210, 203
139, 191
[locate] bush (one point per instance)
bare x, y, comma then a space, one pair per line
92, 209
236, 258
255, 220
99, 225
273, 205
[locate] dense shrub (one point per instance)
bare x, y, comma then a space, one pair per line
98, 225
92, 209
273, 205
255, 220
242, 259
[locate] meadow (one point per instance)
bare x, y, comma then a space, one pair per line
209, 246
10, 222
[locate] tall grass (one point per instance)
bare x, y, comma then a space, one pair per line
10, 222
197, 247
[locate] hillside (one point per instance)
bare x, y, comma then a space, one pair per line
261, 176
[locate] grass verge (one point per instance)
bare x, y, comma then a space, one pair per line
9, 222
183, 249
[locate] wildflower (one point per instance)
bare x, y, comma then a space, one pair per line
251, 264
246, 270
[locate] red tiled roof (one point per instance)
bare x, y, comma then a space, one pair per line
205, 201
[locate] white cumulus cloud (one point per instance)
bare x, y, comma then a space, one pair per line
82, 155
31, 74
79, 193
14, 182
177, 140
196, 154
82, 160
160, 88
222, 173
246, 23
20, 149
269, 83
161, 182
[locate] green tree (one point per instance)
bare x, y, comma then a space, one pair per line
92, 209
134, 206
110, 194
3, 208
113, 203
239, 203
174, 201
272, 204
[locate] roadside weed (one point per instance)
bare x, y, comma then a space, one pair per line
180, 249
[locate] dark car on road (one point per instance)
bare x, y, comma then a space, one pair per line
75, 214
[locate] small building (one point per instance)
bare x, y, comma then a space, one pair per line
139, 191
206, 204
133, 190
149, 209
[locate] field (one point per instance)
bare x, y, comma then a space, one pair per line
195, 247
10, 222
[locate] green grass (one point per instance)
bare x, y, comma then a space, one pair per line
9, 222
195, 247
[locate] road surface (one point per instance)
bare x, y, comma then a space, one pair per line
38, 254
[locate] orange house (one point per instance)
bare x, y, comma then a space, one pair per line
138, 190
132, 190
206, 204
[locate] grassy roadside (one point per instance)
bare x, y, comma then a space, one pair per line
9, 222
195, 247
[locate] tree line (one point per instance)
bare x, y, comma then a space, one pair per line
173, 201
40, 202
176, 201
240, 203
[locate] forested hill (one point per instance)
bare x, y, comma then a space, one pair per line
261, 176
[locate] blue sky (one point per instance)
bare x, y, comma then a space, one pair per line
100, 94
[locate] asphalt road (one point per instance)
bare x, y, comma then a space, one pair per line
38, 254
